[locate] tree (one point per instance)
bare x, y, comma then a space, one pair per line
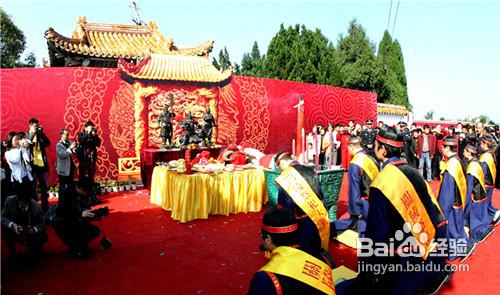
237, 69
12, 41
392, 88
215, 63
251, 64
484, 119
359, 69
429, 115
299, 54
29, 61
224, 60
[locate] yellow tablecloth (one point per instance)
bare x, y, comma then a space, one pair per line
198, 195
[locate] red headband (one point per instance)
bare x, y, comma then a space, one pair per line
280, 229
471, 149
399, 144
450, 143
486, 140
279, 158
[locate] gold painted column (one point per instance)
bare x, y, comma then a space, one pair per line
141, 115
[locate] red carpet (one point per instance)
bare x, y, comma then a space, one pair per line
152, 254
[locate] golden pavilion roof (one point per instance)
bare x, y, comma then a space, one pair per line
175, 68
392, 109
119, 41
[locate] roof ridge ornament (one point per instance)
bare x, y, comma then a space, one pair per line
79, 32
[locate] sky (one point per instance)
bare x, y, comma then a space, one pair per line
451, 48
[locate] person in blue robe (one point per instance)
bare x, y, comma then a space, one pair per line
477, 219
452, 196
385, 225
308, 234
359, 183
487, 160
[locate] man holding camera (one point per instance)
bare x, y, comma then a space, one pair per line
65, 166
23, 222
88, 142
39, 164
73, 218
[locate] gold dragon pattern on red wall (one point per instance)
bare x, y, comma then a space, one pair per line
256, 115
227, 116
121, 119
85, 102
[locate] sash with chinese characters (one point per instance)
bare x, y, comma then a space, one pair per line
454, 168
398, 189
488, 159
364, 162
475, 169
304, 196
299, 265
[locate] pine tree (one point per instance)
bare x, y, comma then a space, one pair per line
299, 54
356, 57
393, 88
12, 41
224, 60
215, 63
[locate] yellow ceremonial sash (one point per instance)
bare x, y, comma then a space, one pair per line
398, 189
488, 159
454, 167
304, 196
364, 162
475, 169
37, 156
299, 265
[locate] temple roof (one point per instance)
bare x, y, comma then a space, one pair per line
114, 41
175, 68
392, 109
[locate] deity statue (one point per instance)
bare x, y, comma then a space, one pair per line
190, 126
165, 123
208, 124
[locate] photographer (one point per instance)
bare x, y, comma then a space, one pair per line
7, 187
18, 159
39, 142
73, 218
88, 142
23, 222
65, 166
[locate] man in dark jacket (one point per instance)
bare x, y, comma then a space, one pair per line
39, 164
23, 222
73, 218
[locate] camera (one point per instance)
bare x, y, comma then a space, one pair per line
99, 213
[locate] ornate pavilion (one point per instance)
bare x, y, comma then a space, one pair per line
101, 45
391, 114
152, 65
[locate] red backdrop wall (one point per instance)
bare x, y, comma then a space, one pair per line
251, 111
